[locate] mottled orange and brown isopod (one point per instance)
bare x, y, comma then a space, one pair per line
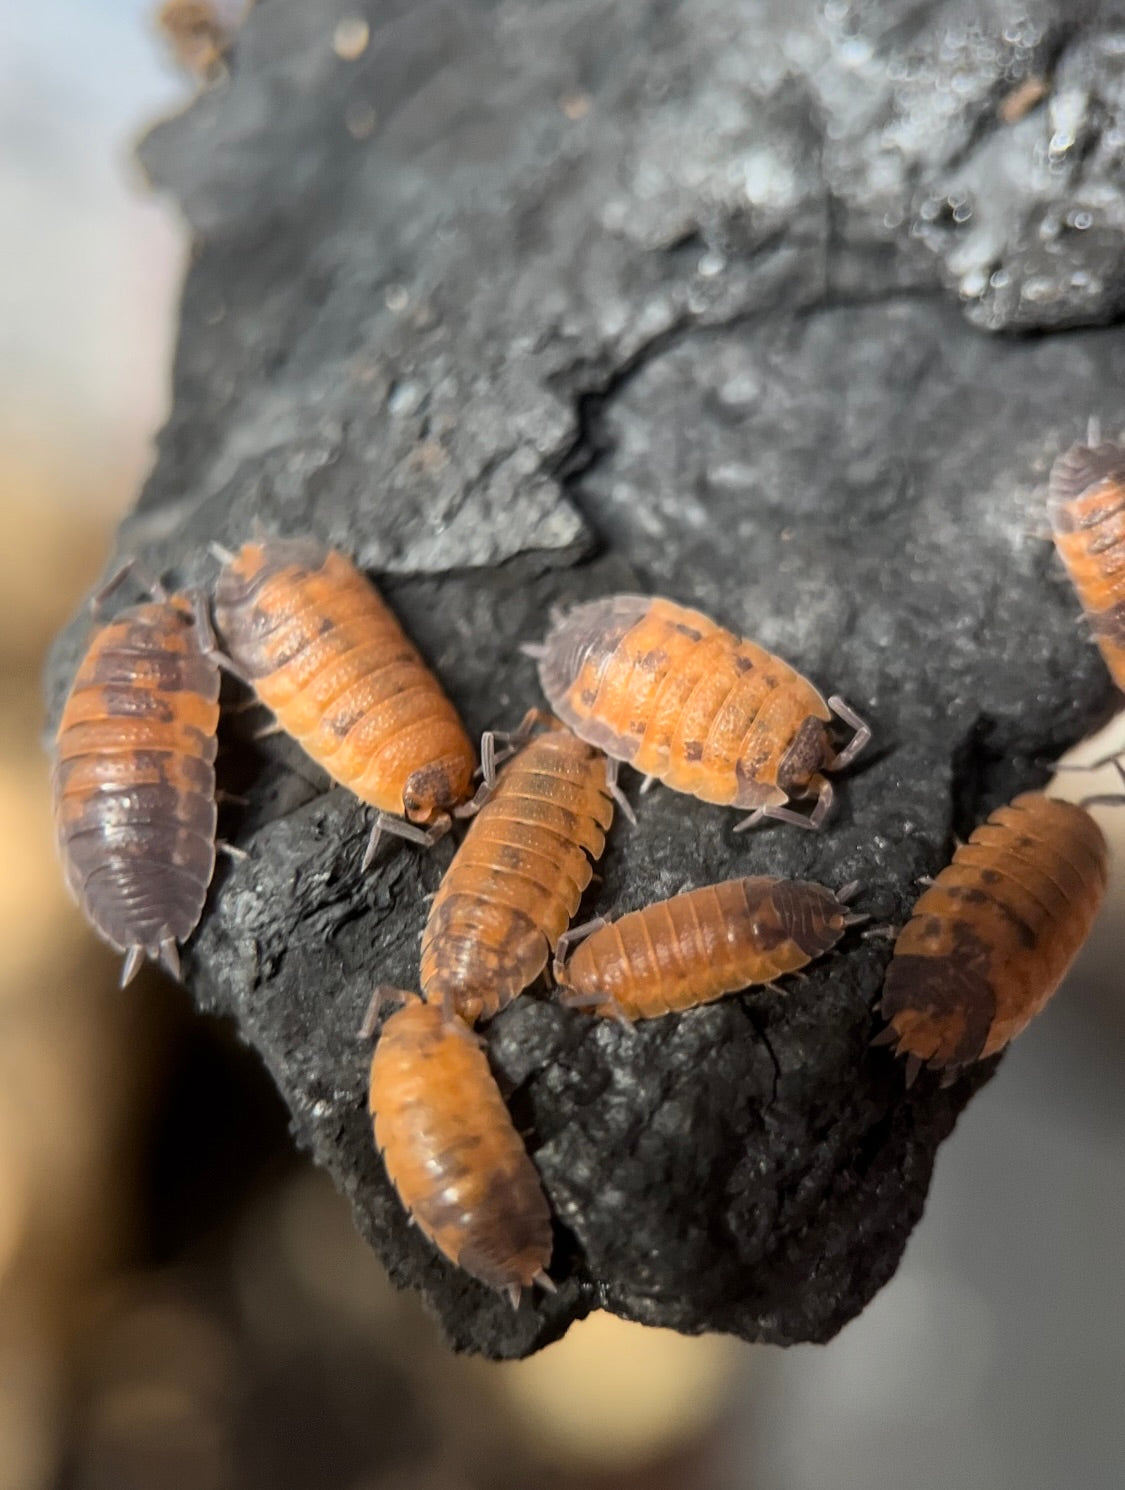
990, 940
690, 704
518, 877
325, 653
1086, 505
696, 947
452, 1151
134, 779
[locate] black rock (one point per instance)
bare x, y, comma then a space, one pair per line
537, 301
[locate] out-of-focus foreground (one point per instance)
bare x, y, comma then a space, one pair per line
183, 1301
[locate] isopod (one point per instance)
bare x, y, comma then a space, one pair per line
991, 939
518, 877
696, 947
134, 778
325, 653
690, 704
452, 1151
1086, 506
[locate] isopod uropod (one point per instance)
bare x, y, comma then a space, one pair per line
452, 1151
518, 877
690, 704
1086, 505
990, 940
695, 947
134, 778
325, 653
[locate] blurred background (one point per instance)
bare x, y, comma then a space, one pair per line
183, 1301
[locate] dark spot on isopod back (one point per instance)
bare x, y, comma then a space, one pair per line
689, 631
952, 992
1026, 933
743, 664
990, 876
136, 703
693, 750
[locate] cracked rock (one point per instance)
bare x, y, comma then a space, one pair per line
615, 295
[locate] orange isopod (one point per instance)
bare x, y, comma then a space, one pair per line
690, 704
452, 1151
518, 877
324, 652
990, 940
134, 778
696, 947
1086, 506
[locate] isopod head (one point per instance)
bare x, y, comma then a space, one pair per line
810, 752
432, 790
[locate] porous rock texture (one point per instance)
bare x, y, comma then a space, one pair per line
541, 299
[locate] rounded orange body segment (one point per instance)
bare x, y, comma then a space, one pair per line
326, 654
683, 700
991, 939
696, 947
134, 780
452, 1151
518, 877
1086, 505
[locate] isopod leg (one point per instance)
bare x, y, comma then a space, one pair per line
567, 940
600, 1003
1108, 799
147, 581
647, 785
859, 741
385, 994
886, 932
231, 850
814, 821
611, 769
396, 826
886, 1036
209, 642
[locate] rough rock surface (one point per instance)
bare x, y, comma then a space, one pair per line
535, 301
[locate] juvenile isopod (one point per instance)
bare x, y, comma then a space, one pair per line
990, 940
518, 877
134, 778
690, 704
1086, 505
325, 653
696, 947
452, 1151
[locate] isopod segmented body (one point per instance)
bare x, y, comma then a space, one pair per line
691, 704
134, 779
1086, 505
325, 653
696, 947
452, 1151
518, 877
990, 940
